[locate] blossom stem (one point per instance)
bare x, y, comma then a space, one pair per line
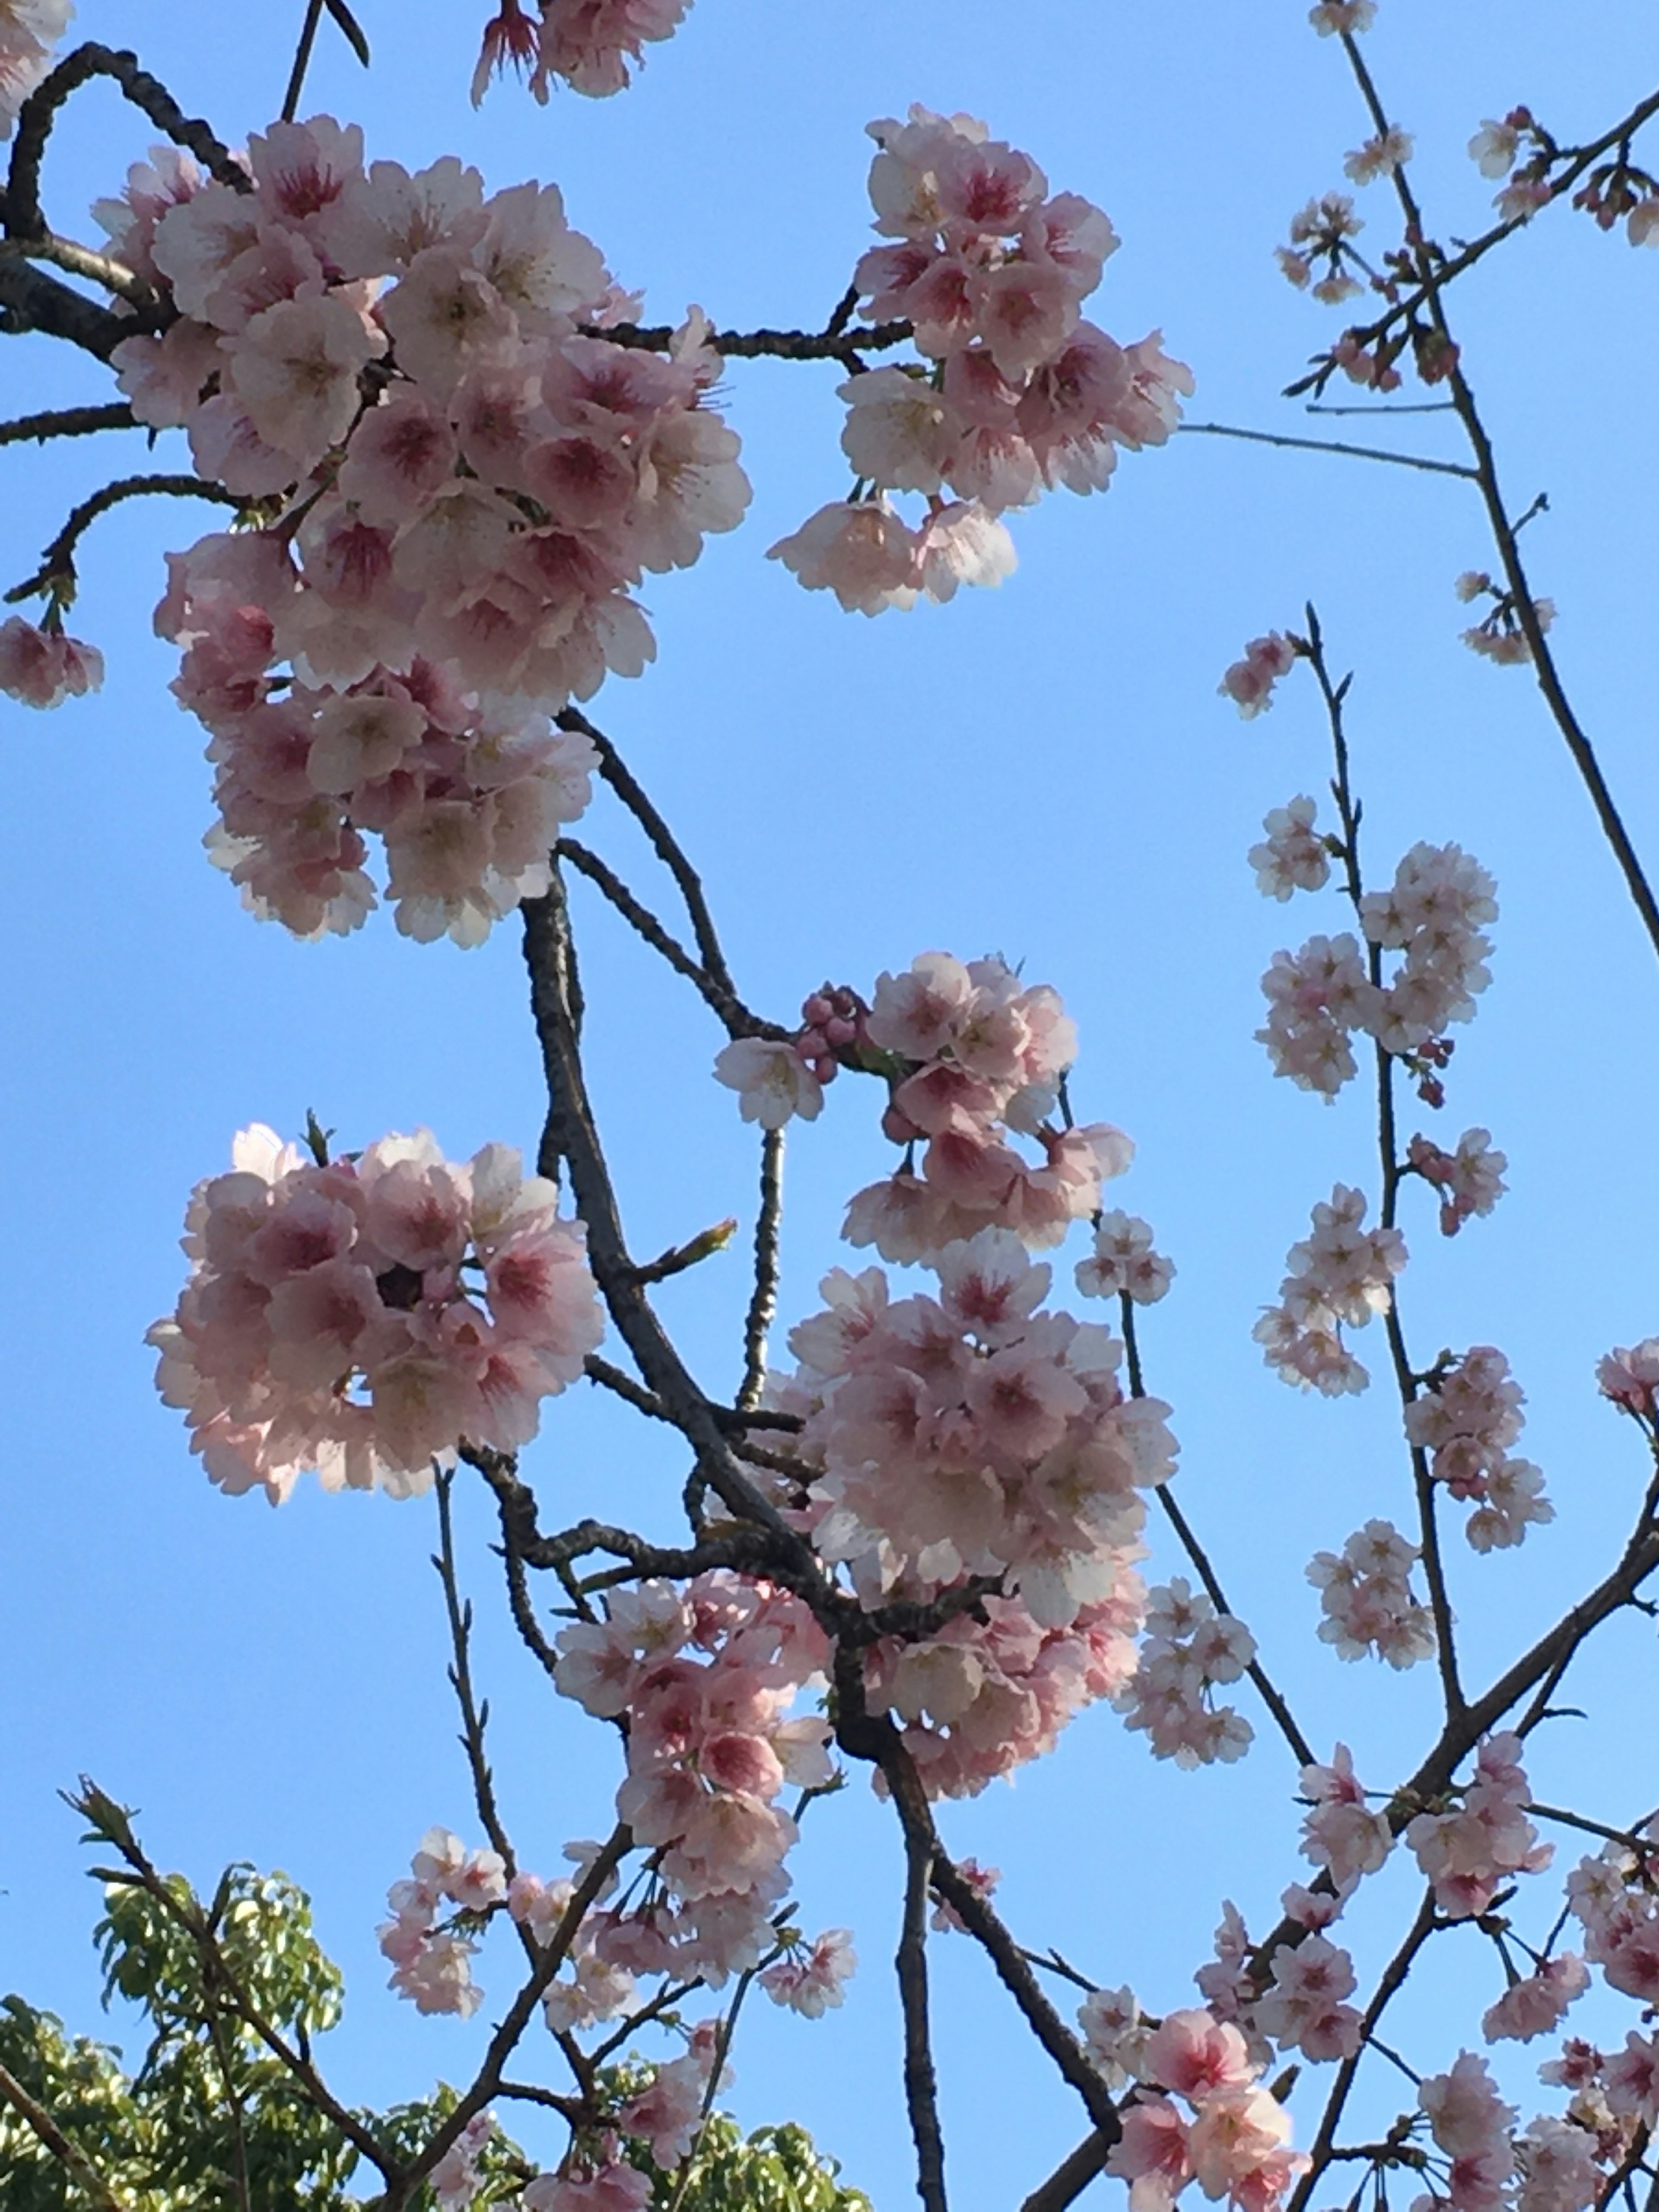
1331, 445
763, 1304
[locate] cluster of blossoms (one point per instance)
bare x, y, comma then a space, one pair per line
1471, 2124
1341, 1834
365, 1316
1123, 1263
1465, 1420
1470, 1180
1498, 635
456, 2179
1235, 2144
971, 1057
41, 667
1293, 856
29, 29
1615, 1898
1366, 1597
704, 1675
1018, 394
1249, 683
1535, 2004
1434, 916
1468, 1854
586, 44
1303, 2005
1320, 233
971, 1434
1380, 156
453, 470
432, 1966
1340, 1273
1189, 1648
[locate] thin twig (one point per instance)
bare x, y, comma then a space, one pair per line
474, 1717
735, 1017
68, 422
1331, 445
296, 79
69, 2155
58, 562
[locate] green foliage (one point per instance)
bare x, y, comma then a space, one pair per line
774, 2170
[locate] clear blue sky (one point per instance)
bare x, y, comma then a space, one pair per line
1045, 771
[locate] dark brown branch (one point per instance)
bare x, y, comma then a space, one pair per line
763, 1303
735, 1017
39, 111
474, 1718
30, 301
85, 261
68, 422
833, 344
57, 562
731, 1418
1071, 2176
910, 1964
296, 79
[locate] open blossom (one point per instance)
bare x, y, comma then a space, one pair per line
1292, 858
1340, 1275
432, 1964
773, 1082
1535, 2006
1123, 1263
809, 1980
1469, 1853
1341, 1833
1304, 2007
1316, 999
990, 270
1367, 1600
1500, 636
1630, 1376
983, 1880
29, 29
328, 1321
1249, 682
1329, 16
1115, 2034
1234, 2146
1380, 156
1495, 145
1434, 914
1189, 1648
42, 667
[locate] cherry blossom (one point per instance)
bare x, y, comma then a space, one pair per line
1470, 1180
1249, 682
809, 1981
772, 1081
983, 1880
1341, 1834
1380, 156
1471, 2124
1495, 145
1115, 2034
432, 1964
29, 29
1316, 998
1535, 2006
42, 667
1630, 1376
1189, 1648
1465, 1420
1123, 1263
1468, 1854
1304, 2009
328, 1320
1340, 1275
1342, 16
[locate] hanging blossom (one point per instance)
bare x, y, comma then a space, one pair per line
1470, 1181
809, 1979
1536, 2004
1292, 857
1016, 394
1343, 17
1234, 2145
29, 29
1629, 1376
1498, 635
586, 44
1341, 1273
703, 1677
1434, 916
366, 1316
1320, 232
1249, 683
459, 491
1465, 1419
1614, 1898
1367, 1600
1380, 156
1189, 1648
1341, 1834
432, 1964
1470, 1853
1471, 2124
595, 1983
41, 667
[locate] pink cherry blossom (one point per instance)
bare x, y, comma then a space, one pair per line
42, 667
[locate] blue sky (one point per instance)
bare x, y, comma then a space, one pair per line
1045, 771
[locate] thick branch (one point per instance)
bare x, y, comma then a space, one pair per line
68, 422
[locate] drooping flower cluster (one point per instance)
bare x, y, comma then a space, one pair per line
1235, 2144
1614, 1898
704, 1676
1320, 233
977, 1702
587, 44
809, 1979
1189, 1648
1123, 1263
1434, 916
1303, 2007
973, 1434
1366, 1597
1466, 1419
365, 1316
29, 29
43, 667
1471, 2123
463, 477
973, 1057
1535, 2004
1470, 1181
432, 1964
1292, 857
1249, 683
1341, 1275
1470, 1852
1629, 1375
1016, 394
